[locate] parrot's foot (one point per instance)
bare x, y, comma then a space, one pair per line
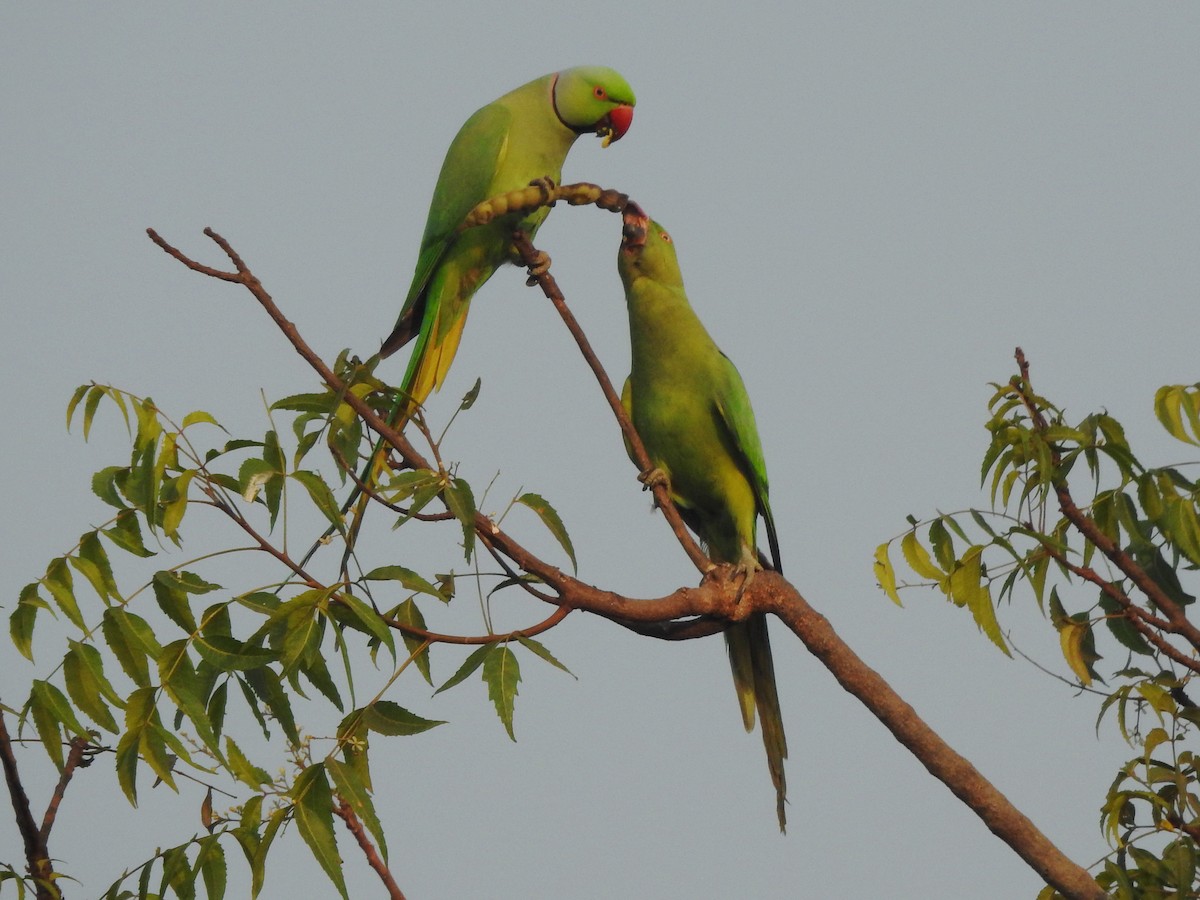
548, 189
540, 266
653, 479
747, 568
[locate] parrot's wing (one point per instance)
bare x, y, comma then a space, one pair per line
466, 178
737, 416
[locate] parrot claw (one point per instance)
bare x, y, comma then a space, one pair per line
547, 187
540, 267
653, 479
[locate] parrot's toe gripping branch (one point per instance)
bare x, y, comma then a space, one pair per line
652, 479
540, 266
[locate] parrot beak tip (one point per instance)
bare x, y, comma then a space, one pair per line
614, 125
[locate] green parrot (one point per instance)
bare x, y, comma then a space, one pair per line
523, 136
691, 410
515, 140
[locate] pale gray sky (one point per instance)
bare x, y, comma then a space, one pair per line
873, 204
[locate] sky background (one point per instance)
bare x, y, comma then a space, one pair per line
873, 204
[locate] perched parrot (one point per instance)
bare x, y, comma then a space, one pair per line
523, 136
515, 140
691, 410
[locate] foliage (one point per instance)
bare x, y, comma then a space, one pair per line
1114, 574
178, 677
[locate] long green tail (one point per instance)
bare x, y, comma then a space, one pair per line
749, 647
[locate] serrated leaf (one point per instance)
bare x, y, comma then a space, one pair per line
471, 396
181, 684
365, 619
386, 717
553, 523
127, 534
461, 502
104, 486
21, 622
267, 687
470, 664
83, 674
321, 496
501, 673
211, 863
313, 814
918, 558
538, 649
966, 587
92, 550
407, 577
132, 641
61, 586
352, 790
231, 655
408, 613
885, 575
1072, 634
242, 769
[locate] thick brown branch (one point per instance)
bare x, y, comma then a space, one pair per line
37, 856
373, 858
963, 779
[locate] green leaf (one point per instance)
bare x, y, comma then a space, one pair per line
501, 674
83, 673
104, 486
918, 559
408, 613
196, 417
46, 723
267, 687
132, 641
386, 717
20, 623
461, 502
75, 398
352, 790
470, 664
471, 396
407, 577
211, 863
127, 534
61, 586
241, 767
553, 522
95, 395
885, 575
321, 496
967, 588
313, 813
100, 570
353, 612
231, 655
539, 650
181, 684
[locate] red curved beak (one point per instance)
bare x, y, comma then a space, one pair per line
615, 124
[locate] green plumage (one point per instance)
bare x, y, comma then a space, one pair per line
523, 136
691, 410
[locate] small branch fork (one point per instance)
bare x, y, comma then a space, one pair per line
1176, 620
37, 839
720, 599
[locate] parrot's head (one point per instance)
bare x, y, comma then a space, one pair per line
594, 99
647, 250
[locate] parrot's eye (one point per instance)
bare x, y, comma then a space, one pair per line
600, 93
666, 237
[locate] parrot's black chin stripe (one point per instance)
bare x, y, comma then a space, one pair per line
558, 115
